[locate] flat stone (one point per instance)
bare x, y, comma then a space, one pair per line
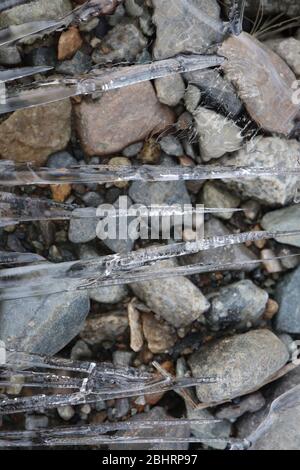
120, 118
43, 325
281, 220
266, 152
214, 195
31, 135
180, 28
170, 90
83, 229
242, 363
217, 135
238, 305
176, 299
288, 298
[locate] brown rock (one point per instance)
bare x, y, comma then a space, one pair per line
60, 192
105, 327
159, 334
120, 118
31, 135
69, 42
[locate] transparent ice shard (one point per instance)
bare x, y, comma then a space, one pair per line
137, 266
11, 258
21, 72
18, 174
103, 80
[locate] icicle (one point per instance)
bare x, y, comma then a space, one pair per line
11, 258
12, 174
21, 72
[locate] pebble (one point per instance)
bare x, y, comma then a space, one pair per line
31, 135
60, 192
136, 330
61, 160
122, 358
122, 43
10, 55
217, 135
150, 153
171, 145
248, 404
157, 413
69, 43
159, 336
239, 305
80, 351
221, 430
119, 162
242, 363
104, 327
43, 325
133, 150
251, 209
266, 152
216, 91
41, 56
133, 8
92, 199
289, 50
284, 219
224, 255
180, 30
287, 296
170, 90
192, 98
82, 229
215, 196
176, 299
66, 412
120, 118
79, 64
271, 264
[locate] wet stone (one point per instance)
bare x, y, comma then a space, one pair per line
288, 297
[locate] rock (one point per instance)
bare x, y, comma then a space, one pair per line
60, 192
281, 220
10, 55
133, 8
249, 404
83, 229
192, 98
80, 351
79, 64
150, 153
115, 231
217, 135
171, 146
92, 199
69, 43
176, 299
122, 358
123, 43
287, 295
61, 160
216, 91
266, 152
155, 432
31, 135
288, 7
133, 150
35, 11
180, 29
170, 90
158, 334
221, 430
242, 363
120, 118
136, 330
43, 325
270, 261
104, 327
283, 434
40, 56
109, 294
120, 162
238, 305
289, 50
223, 255
66, 412
215, 196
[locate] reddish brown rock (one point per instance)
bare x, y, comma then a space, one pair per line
120, 118
31, 135
69, 42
